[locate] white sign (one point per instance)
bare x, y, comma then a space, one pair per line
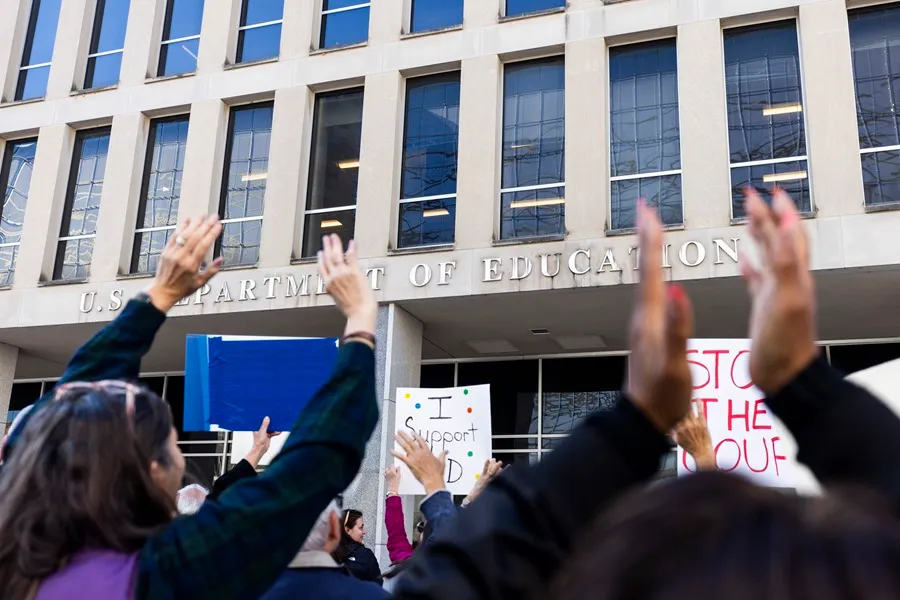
746, 438
457, 420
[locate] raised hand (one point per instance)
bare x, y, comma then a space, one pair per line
392, 476
492, 468
347, 284
178, 274
426, 467
783, 315
262, 439
659, 379
692, 434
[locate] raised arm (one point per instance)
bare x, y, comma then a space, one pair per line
246, 468
843, 433
398, 546
238, 546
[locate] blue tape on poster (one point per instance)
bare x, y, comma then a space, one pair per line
196, 384
250, 379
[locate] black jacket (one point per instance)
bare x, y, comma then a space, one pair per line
362, 563
242, 470
511, 542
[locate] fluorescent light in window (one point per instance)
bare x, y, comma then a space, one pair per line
536, 203
331, 223
792, 176
349, 164
255, 176
435, 212
784, 109
517, 146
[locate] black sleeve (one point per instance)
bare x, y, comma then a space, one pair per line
242, 470
513, 539
362, 564
844, 434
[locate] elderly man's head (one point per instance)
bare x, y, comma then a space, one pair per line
190, 498
325, 535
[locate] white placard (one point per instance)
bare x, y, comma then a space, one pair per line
242, 442
454, 419
746, 437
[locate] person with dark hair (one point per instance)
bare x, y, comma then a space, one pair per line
352, 553
88, 503
667, 540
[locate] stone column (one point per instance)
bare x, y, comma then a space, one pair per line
218, 36
9, 356
379, 172
142, 39
46, 197
203, 159
70, 50
587, 184
121, 191
386, 22
398, 364
705, 179
478, 13
829, 103
478, 170
13, 28
297, 29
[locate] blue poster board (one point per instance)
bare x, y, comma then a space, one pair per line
233, 382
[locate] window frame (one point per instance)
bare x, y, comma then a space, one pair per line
167, 26
28, 48
766, 162
145, 188
223, 193
536, 187
72, 183
609, 136
322, 22
99, 11
5, 169
540, 11
245, 5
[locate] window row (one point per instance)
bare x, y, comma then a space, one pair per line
342, 23
766, 137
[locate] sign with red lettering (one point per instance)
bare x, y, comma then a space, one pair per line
746, 439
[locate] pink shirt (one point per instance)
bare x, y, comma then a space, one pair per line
399, 548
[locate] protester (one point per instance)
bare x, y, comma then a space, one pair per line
89, 487
191, 497
352, 553
702, 536
692, 434
314, 574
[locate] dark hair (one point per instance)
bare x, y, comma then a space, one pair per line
713, 535
347, 544
80, 478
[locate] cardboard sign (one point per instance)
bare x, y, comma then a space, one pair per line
454, 419
746, 438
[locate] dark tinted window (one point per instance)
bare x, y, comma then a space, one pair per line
437, 376
24, 395
259, 36
344, 22
38, 51
573, 388
15, 180
850, 359
514, 386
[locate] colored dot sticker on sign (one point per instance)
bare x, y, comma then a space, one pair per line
407, 396
470, 453
465, 392
418, 405
477, 475
469, 410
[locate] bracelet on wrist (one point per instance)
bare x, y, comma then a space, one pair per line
359, 335
389, 494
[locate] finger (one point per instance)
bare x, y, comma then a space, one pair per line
178, 231
265, 425
752, 277
651, 291
443, 456
337, 250
400, 456
206, 235
322, 264
211, 271
192, 234
487, 467
679, 321
762, 223
792, 238
351, 255
405, 441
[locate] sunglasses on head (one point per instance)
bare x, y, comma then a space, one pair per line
128, 390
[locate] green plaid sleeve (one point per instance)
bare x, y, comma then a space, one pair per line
237, 547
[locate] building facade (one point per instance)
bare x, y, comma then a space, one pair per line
486, 155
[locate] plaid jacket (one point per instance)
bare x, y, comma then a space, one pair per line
239, 546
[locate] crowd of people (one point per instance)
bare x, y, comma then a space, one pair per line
92, 503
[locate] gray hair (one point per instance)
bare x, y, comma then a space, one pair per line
318, 535
190, 498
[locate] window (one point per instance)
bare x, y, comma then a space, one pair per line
15, 177
38, 51
244, 188
523, 7
181, 37
334, 168
344, 22
875, 42
79, 224
259, 36
107, 43
428, 187
428, 15
532, 196
160, 192
766, 133
645, 153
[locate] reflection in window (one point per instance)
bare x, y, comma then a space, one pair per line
573, 388
79, 224
107, 43
523, 7
765, 112
431, 139
181, 37
244, 187
15, 180
428, 15
259, 35
334, 168
532, 198
875, 44
344, 22
38, 52
161, 192
645, 151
